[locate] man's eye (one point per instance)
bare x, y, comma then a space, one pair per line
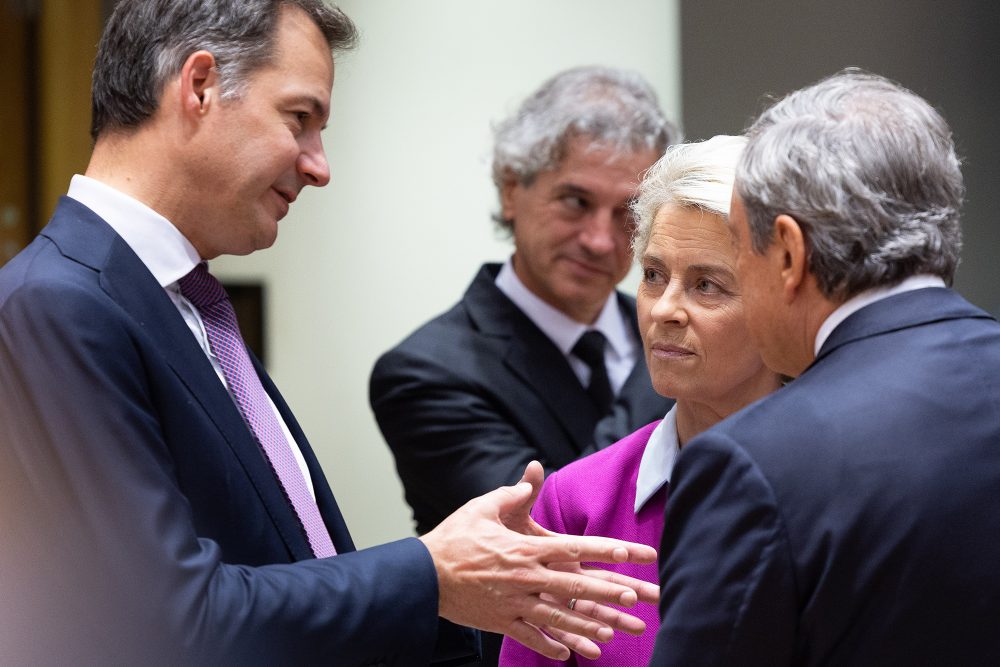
706, 286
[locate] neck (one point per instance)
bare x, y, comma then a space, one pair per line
121, 160
694, 416
138, 164
814, 308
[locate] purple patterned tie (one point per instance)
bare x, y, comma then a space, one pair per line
211, 300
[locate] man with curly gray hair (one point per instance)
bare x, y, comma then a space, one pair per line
159, 503
849, 518
502, 378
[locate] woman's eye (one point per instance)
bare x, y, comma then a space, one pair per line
650, 275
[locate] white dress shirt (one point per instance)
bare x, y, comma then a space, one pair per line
657, 464
868, 297
169, 256
621, 352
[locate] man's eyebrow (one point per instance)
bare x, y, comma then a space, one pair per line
318, 107
715, 269
572, 188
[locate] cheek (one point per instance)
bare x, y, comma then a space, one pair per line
644, 305
726, 337
623, 251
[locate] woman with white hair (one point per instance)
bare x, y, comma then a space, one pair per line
698, 352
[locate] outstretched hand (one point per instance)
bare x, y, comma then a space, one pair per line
500, 571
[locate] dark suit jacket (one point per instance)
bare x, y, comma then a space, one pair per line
471, 397
851, 518
147, 525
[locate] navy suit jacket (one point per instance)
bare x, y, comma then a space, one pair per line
851, 518
467, 400
142, 521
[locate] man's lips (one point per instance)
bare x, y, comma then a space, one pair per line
286, 198
288, 195
586, 267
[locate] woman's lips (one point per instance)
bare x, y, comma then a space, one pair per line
670, 351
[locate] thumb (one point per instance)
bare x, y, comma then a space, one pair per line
515, 514
534, 474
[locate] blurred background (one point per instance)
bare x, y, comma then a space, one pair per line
398, 234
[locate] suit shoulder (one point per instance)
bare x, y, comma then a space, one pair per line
40, 279
435, 342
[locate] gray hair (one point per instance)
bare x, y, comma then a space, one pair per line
868, 169
617, 109
146, 42
696, 175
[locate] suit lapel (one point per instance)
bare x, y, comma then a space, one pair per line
85, 237
534, 358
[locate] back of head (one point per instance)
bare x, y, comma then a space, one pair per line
694, 175
145, 43
868, 170
617, 109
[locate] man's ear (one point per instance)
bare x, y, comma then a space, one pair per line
199, 83
507, 188
790, 246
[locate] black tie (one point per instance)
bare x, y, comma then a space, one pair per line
590, 348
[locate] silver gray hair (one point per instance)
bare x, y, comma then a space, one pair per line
696, 175
615, 108
145, 42
868, 170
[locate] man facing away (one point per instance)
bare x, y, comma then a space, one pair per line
160, 504
851, 517
507, 375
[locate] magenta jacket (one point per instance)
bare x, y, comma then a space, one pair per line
596, 496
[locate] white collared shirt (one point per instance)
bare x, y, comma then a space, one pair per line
621, 352
169, 256
658, 458
868, 297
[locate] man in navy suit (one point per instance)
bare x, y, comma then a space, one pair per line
850, 518
158, 501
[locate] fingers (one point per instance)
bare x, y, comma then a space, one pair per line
580, 585
576, 643
646, 591
554, 615
538, 642
591, 549
615, 618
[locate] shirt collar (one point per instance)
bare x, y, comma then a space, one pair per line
560, 328
159, 245
657, 464
868, 297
